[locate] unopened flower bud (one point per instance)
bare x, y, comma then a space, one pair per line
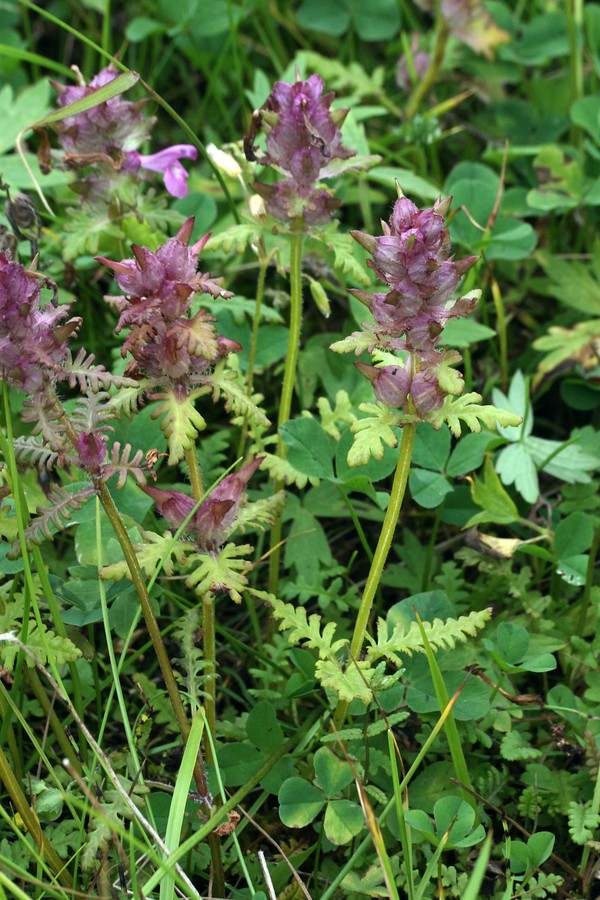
223, 161
257, 207
321, 299
23, 217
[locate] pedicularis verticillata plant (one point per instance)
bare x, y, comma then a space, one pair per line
413, 382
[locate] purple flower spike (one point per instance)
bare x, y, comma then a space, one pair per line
413, 257
109, 129
215, 518
167, 162
33, 344
303, 142
165, 341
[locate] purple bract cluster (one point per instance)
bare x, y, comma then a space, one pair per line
107, 137
214, 519
303, 140
33, 343
165, 342
413, 256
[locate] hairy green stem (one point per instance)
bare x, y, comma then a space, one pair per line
423, 86
260, 293
384, 543
210, 652
191, 458
287, 388
210, 672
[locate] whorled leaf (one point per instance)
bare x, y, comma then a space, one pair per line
468, 409
221, 573
372, 433
122, 466
81, 371
31, 451
283, 471
306, 630
260, 513
54, 517
228, 383
180, 421
158, 550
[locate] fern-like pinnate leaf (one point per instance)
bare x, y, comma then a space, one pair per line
341, 414
33, 452
56, 516
345, 260
92, 413
44, 414
236, 238
284, 472
190, 666
46, 646
221, 573
468, 409
372, 433
440, 635
260, 513
180, 421
358, 342
129, 399
157, 551
82, 371
123, 466
306, 630
350, 682
583, 822
227, 383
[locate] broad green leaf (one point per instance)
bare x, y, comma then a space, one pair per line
299, 802
17, 112
343, 821
455, 815
431, 447
469, 453
540, 845
515, 466
463, 333
427, 488
573, 535
309, 447
332, 774
517, 402
262, 727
